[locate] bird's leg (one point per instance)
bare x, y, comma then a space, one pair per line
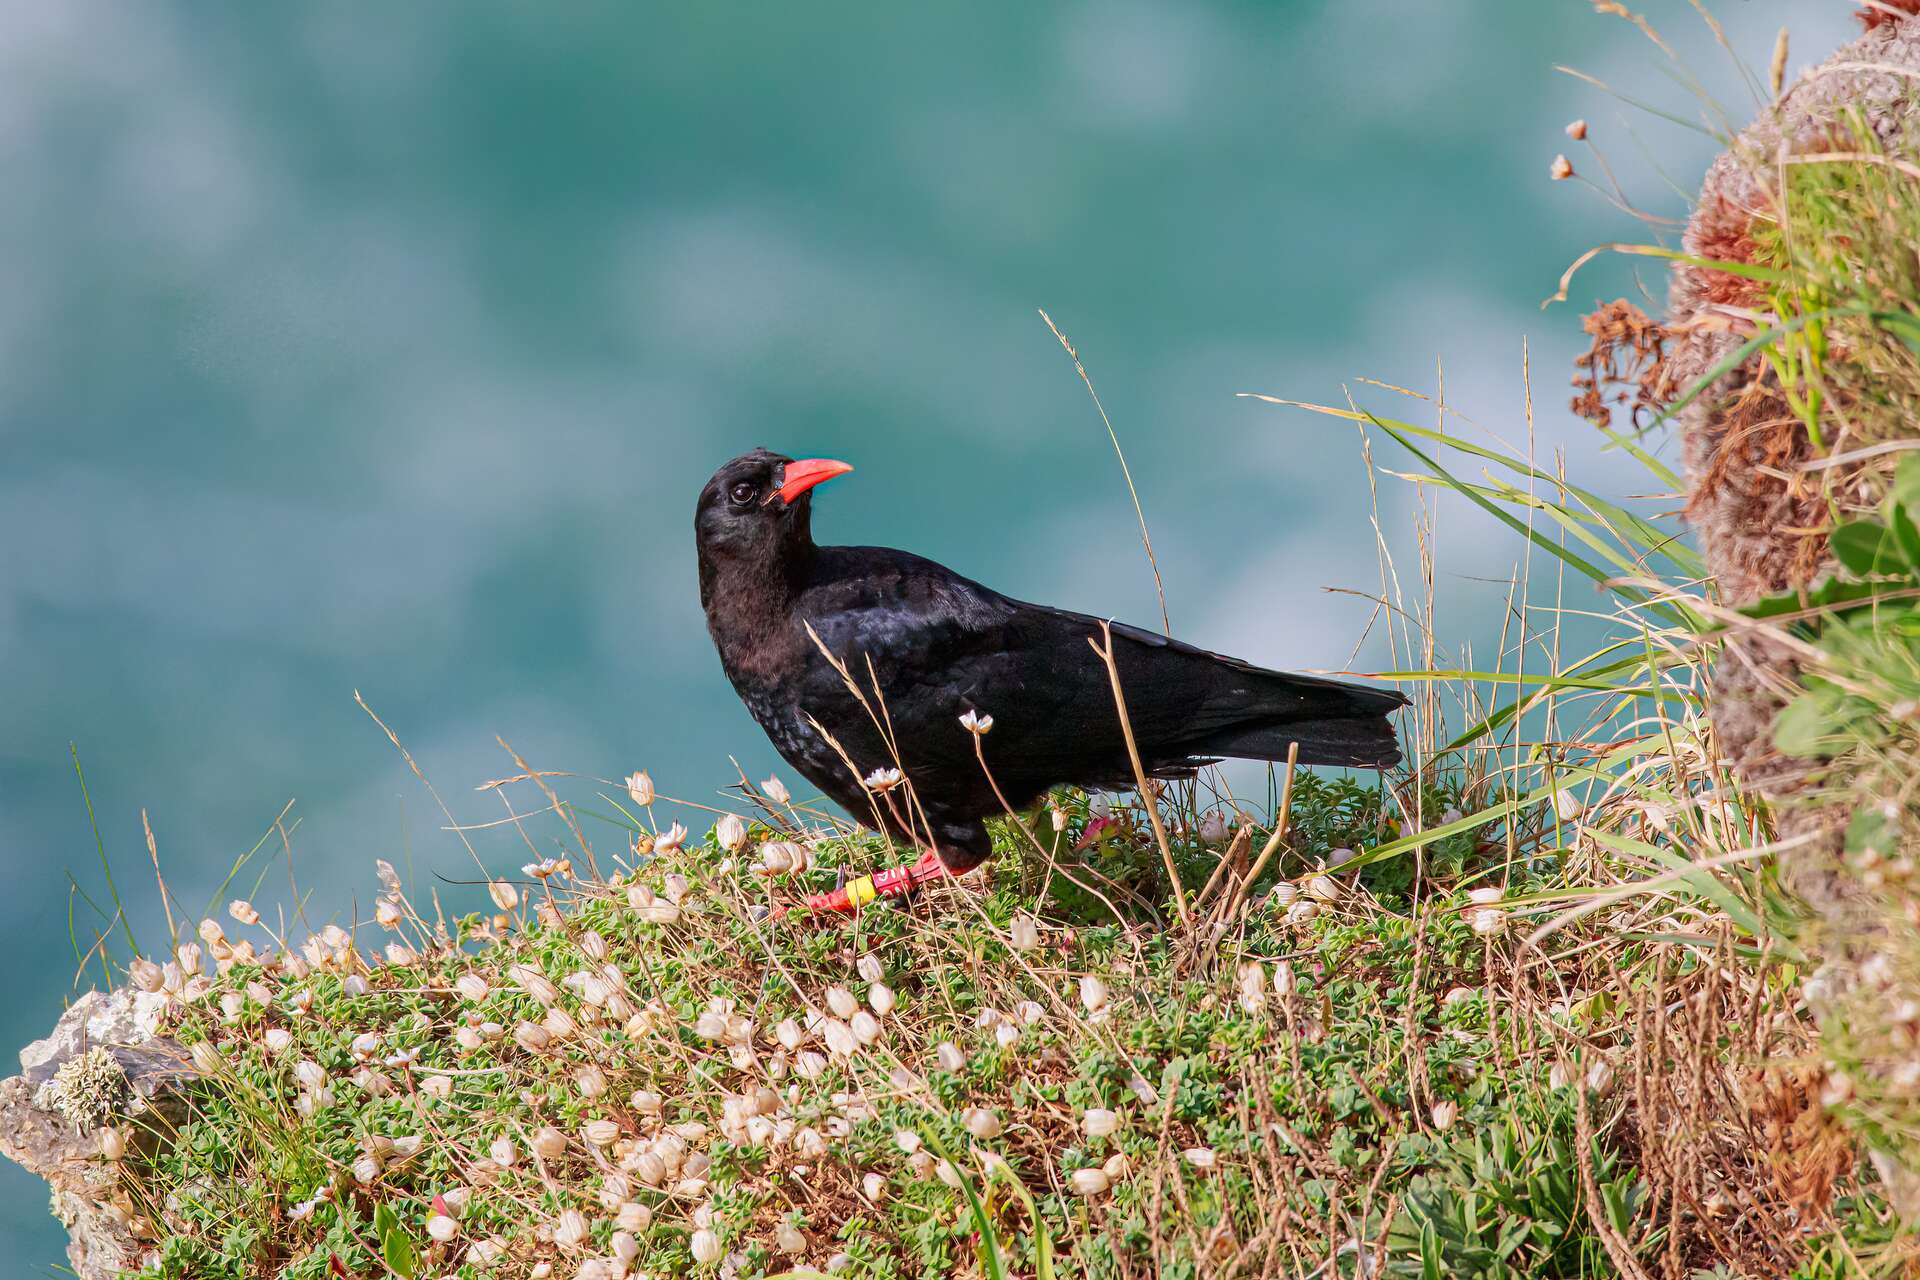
894, 882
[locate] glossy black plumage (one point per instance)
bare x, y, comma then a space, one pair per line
941, 645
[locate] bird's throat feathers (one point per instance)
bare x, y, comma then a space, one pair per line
749, 605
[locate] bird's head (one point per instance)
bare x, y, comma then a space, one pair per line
758, 507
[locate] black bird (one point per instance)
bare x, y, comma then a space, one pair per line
941, 646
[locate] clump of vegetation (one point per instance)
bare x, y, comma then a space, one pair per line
89, 1089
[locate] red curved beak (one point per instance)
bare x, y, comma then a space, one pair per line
807, 472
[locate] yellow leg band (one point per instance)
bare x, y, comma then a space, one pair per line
861, 891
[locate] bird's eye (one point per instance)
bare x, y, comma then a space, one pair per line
742, 494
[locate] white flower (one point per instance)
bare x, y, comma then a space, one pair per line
640, 789
776, 791
1213, 827
976, 724
881, 781
730, 833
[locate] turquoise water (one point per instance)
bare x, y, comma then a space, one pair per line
342, 351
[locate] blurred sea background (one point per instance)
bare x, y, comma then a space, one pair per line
386, 349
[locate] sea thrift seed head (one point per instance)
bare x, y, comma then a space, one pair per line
1577, 130
870, 968
949, 1057
242, 911
211, 932
113, 1143
549, 1143
442, 1228
593, 946
881, 998
601, 1133
1099, 1122
146, 975
841, 1001
730, 833
590, 1082
1025, 934
471, 986
670, 840
502, 1152
1302, 912
640, 789
1324, 888
1445, 1112
1060, 818
1562, 169
1200, 1157
982, 1123
1093, 993
570, 1230
976, 724
532, 1036
866, 1027
1213, 827
1089, 1182
1252, 980
387, 914
705, 1246
1487, 921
